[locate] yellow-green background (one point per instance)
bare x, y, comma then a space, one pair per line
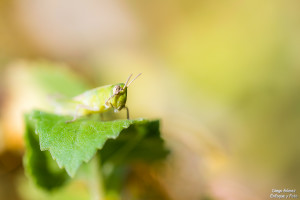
223, 76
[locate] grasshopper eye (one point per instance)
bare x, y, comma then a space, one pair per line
117, 89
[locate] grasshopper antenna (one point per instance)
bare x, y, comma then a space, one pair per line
132, 80
127, 81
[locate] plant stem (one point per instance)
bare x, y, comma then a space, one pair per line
95, 180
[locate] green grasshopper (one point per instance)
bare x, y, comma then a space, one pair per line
101, 99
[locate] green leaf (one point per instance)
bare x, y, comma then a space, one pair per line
121, 144
38, 164
141, 142
72, 143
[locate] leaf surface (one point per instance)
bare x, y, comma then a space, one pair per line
121, 143
72, 143
39, 165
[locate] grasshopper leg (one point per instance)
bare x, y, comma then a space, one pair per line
127, 112
124, 107
80, 106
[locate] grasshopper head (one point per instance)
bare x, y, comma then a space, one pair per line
119, 96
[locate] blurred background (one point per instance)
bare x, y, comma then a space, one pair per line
223, 77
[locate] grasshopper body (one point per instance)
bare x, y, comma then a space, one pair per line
102, 99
